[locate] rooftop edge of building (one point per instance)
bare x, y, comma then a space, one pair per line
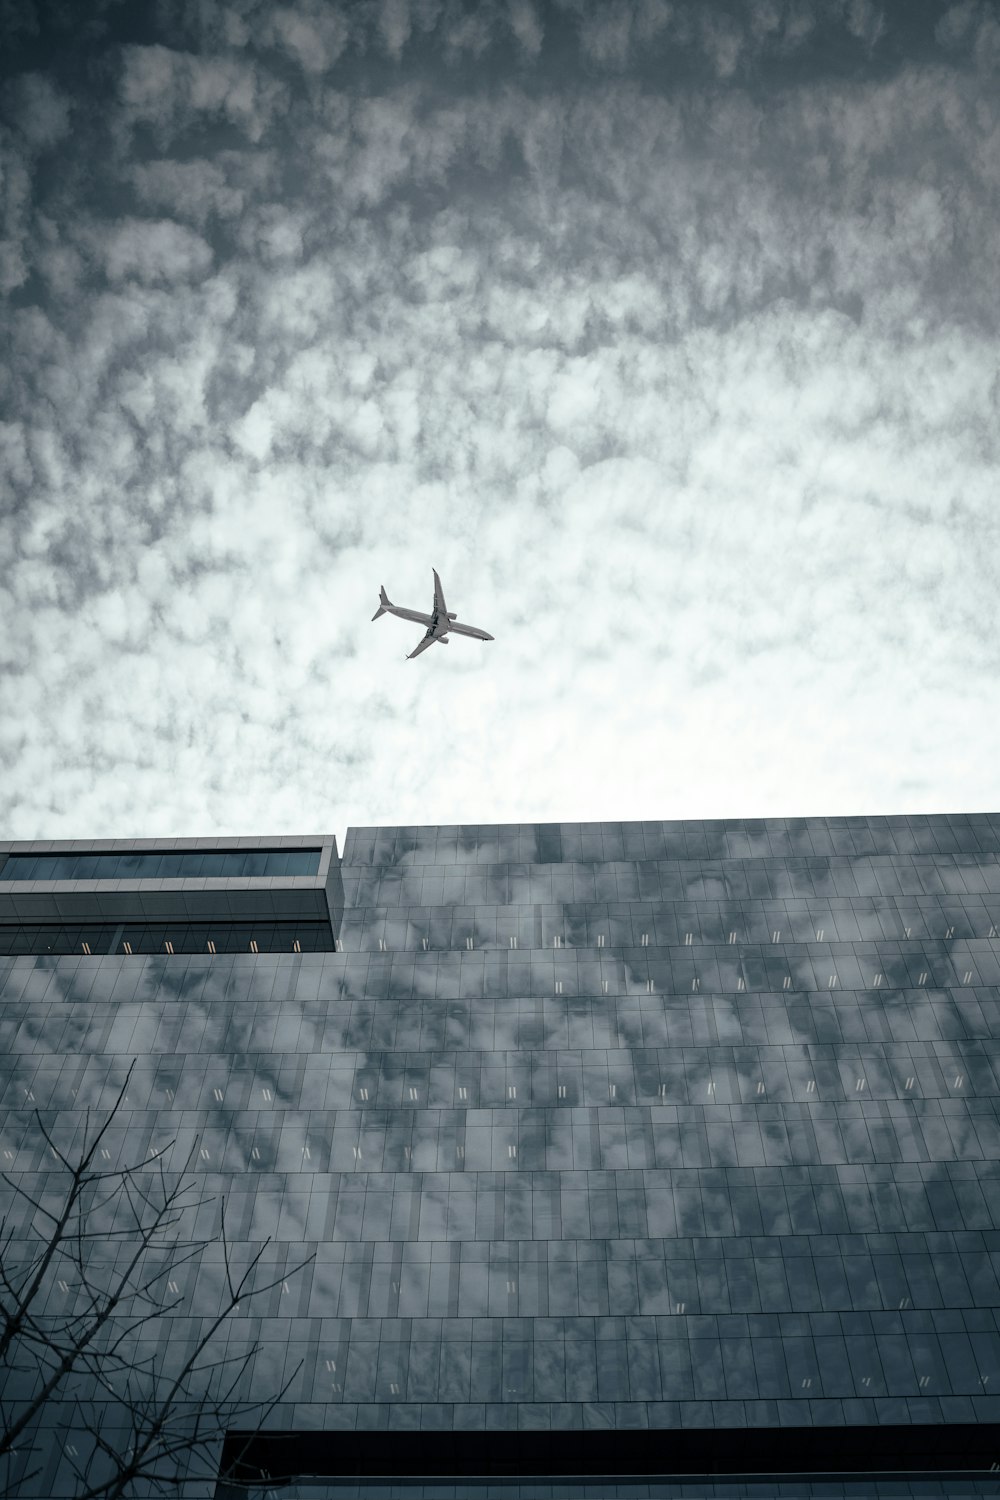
930, 834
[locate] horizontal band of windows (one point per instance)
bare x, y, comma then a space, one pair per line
376, 976
154, 864
93, 940
356, 978
661, 924
607, 882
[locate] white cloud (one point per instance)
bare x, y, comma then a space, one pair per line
313, 35
866, 20
606, 33
154, 250
394, 26
610, 34
273, 234
526, 25
254, 433
165, 87
972, 26
194, 190
691, 398
466, 31
723, 42
958, 22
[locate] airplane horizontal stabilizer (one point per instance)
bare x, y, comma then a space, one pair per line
385, 603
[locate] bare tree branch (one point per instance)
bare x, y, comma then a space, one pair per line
172, 1420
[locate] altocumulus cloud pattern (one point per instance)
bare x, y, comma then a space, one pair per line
666, 331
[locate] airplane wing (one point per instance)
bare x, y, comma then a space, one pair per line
440, 608
428, 640
457, 628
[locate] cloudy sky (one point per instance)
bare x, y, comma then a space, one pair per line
667, 332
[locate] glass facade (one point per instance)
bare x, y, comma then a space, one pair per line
92, 939
157, 864
659, 1141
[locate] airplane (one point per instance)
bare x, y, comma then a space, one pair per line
440, 623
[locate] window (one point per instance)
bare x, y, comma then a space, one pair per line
160, 864
175, 939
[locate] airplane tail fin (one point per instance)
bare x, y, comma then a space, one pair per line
384, 603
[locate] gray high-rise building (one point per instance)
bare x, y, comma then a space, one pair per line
642, 1159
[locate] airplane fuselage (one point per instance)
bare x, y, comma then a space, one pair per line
409, 614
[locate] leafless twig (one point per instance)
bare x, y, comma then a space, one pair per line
86, 1356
